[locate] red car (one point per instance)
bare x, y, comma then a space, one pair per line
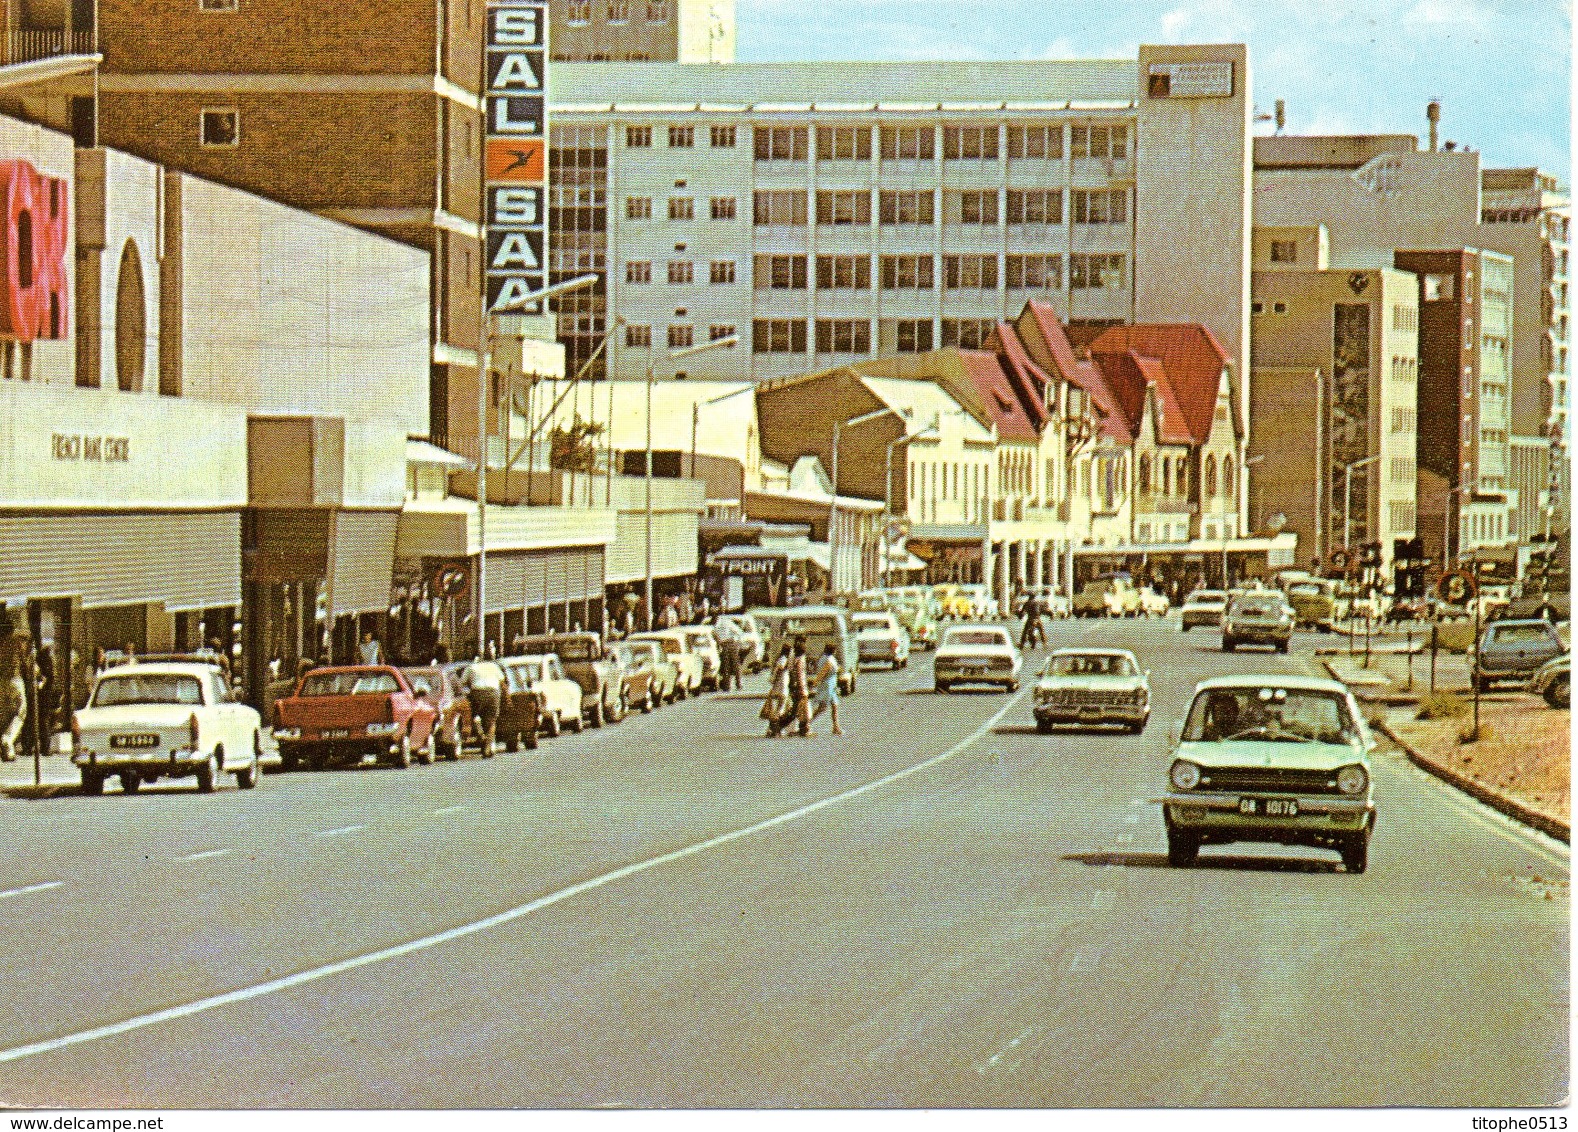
454, 709
344, 714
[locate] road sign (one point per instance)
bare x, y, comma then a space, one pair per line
452, 581
1457, 588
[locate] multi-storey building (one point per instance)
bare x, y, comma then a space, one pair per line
830, 213
664, 31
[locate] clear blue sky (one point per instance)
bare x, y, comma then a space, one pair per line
1502, 68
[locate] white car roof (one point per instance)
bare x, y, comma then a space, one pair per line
1079, 651
194, 669
1273, 680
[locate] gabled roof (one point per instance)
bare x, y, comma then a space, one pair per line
985, 371
1192, 358
1118, 423
1132, 376
1029, 380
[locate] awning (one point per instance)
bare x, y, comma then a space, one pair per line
821, 554
421, 452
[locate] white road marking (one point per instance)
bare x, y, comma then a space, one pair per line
449, 810
1083, 962
991, 1062
426, 943
1132, 817
207, 854
1103, 900
344, 829
1494, 820
1124, 838
32, 888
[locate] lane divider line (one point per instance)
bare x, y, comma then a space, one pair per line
498, 919
344, 829
449, 810
207, 854
25, 889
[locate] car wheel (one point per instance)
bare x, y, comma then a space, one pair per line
551, 726
1558, 693
1012, 685
1356, 852
647, 705
247, 776
1183, 849
577, 725
1044, 726
208, 774
599, 717
1228, 644
92, 784
1137, 728
130, 783
1185, 627
452, 748
429, 752
1482, 685
289, 762
941, 687
512, 742
402, 757
1282, 646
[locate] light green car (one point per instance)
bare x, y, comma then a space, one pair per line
1090, 686
1278, 759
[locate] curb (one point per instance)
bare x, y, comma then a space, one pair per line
1370, 693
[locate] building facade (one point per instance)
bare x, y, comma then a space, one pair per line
663, 31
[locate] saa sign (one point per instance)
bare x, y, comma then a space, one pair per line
33, 241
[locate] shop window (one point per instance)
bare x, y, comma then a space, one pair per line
219, 127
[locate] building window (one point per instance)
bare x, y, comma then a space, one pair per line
778, 336
681, 208
681, 137
681, 271
1229, 486
843, 207
1284, 251
1095, 271
1145, 475
618, 11
723, 137
1032, 142
638, 208
978, 206
843, 143
638, 271
580, 13
967, 333
638, 336
1101, 206
1035, 272
913, 335
218, 5
1439, 288
843, 336
969, 272
907, 207
1110, 143
969, 143
680, 337
638, 137
782, 143
909, 143
1210, 475
657, 11
219, 127
780, 207
1035, 206
843, 273
1279, 307
722, 271
781, 272
907, 272
723, 208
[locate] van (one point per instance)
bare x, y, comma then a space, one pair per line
820, 625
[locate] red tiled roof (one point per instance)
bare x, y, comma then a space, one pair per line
985, 371
1117, 423
1030, 380
1192, 358
1131, 375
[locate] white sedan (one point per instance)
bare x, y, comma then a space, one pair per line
544, 674
165, 720
677, 645
881, 638
976, 654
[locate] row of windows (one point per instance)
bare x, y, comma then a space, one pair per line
1405, 369
680, 137
1404, 420
919, 143
791, 272
679, 335
1169, 476
1403, 469
853, 335
853, 207
578, 13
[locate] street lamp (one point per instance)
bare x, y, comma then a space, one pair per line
1347, 494
695, 414
832, 512
484, 377
1245, 463
715, 344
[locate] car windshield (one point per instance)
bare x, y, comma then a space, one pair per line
974, 637
865, 623
574, 649
1306, 589
1208, 597
1090, 664
699, 637
348, 684
1262, 712
423, 681
147, 689
528, 672
809, 626
1521, 634
1258, 606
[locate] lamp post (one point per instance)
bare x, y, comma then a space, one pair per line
832, 510
484, 377
715, 344
1245, 463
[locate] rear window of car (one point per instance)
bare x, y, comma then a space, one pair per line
349, 684
114, 691
822, 626
869, 622
1520, 634
1306, 589
974, 637
1258, 607
1208, 597
1090, 664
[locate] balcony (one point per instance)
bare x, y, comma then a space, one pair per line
26, 45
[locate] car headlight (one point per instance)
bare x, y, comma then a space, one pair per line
1139, 695
1185, 775
287, 733
382, 728
1352, 779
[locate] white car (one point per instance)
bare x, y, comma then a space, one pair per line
705, 645
1089, 686
881, 639
1203, 607
676, 644
1152, 603
544, 674
749, 634
976, 654
983, 606
165, 720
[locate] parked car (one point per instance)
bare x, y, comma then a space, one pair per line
881, 639
748, 634
1314, 602
638, 687
1093, 686
1203, 607
976, 654
1513, 650
1262, 617
705, 645
1278, 759
983, 606
149, 721
347, 713
562, 699
454, 709
914, 615
1552, 680
1107, 597
952, 605
820, 626
665, 673
684, 658
589, 664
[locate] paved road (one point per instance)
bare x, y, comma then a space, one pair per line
943, 908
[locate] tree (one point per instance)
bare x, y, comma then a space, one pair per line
573, 448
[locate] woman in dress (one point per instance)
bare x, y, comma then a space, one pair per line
777, 700
827, 687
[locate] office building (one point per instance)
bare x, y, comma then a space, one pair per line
662, 31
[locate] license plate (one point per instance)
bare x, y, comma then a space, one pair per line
1270, 807
337, 733
133, 742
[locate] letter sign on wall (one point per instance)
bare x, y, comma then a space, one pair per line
33, 228
516, 158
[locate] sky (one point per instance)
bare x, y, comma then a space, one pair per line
1501, 68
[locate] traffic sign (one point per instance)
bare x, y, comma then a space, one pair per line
1457, 588
452, 581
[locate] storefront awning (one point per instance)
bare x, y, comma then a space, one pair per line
422, 452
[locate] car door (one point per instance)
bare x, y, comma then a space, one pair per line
224, 715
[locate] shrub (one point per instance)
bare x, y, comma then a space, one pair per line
1441, 705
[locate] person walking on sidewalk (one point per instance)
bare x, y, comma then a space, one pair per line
799, 710
827, 672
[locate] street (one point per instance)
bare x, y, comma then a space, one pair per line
942, 908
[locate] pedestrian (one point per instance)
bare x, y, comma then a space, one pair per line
827, 671
45, 696
372, 652
799, 711
1032, 631
728, 662
483, 682
775, 706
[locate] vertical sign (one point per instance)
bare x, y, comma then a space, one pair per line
515, 131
